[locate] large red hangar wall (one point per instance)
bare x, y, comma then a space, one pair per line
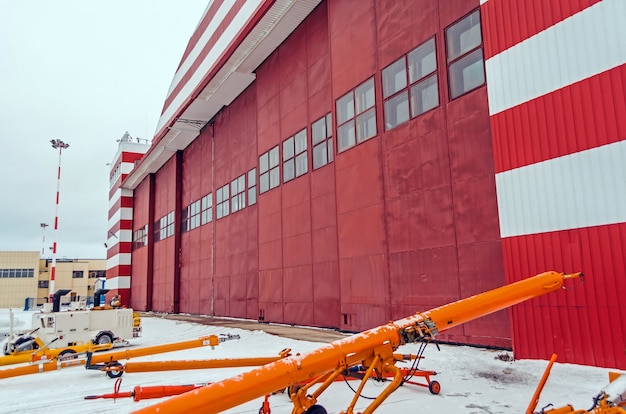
403, 221
557, 100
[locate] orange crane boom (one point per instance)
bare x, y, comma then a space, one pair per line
373, 349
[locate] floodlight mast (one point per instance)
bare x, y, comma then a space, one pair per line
60, 145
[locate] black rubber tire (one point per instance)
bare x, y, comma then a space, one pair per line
434, 387
103, 338
116, 373
66, 352
316, 409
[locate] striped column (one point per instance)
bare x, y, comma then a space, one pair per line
60, 145
120, 237
556, 76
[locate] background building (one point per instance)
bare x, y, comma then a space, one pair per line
23, 275
343, 163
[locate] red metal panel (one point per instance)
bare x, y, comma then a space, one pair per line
359, 177
298, 284
596, 251
222, 296
316, 26
326, 294
422, 279
565, 121
476, 210
297, 250
352, 39
401, 26
506, 23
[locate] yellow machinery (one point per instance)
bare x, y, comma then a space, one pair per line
372, 349
109, 361
610, 400
38, 351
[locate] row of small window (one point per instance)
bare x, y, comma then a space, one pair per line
79, 274
410, 85
17, 273
410, 88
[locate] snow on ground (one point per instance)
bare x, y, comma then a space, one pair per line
473, 380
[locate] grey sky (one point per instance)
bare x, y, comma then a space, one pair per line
84, 72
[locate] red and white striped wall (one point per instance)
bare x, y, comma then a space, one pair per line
120, 233
556, 76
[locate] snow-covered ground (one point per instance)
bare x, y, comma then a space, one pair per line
473, 380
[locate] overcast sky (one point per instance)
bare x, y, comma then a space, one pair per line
83, 71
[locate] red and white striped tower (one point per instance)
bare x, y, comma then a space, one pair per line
120, 233
60, 145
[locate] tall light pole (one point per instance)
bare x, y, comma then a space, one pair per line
60, 145
43, 225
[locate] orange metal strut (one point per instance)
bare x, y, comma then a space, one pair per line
373, 345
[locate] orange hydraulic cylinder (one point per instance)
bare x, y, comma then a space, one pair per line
152, 366
40, 367
344, 353
211, 340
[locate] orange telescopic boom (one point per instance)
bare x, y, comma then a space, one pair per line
372, 349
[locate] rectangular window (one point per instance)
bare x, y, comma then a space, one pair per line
322, 138
252, 187
164, 227
140, 238
77, 274
466, 68
295, 156
170, 224
269, 170
356, 116
222, 199
410, 85
97, 273
206, 209
190, 217
238, 191
42, 284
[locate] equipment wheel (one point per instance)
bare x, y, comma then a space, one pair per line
66, 352
293, 389
103, 338
7, 349
114, 373
434, 387
316, 409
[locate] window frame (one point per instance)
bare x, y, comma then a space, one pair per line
323, 140
222, 201
455, 58
355, 115
238, 194
269, 169
407, 75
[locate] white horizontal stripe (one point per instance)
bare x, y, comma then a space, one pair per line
218, 48
118, 282
120, 236
583, 189
119, 192
124, 213
119, 259
587, 43
216, 20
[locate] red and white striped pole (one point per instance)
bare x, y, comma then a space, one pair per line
60, 145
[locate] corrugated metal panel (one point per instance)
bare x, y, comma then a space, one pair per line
516, 21
568, 120
583, 189
557, 99
563, 54
575, 317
